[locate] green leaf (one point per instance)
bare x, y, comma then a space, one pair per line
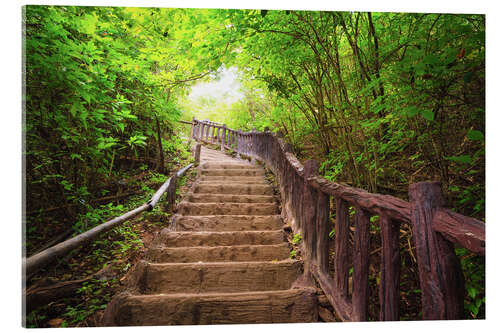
431, 59
428, 114
74, 108
472, 292
76, 156
468, 77
464, 159
475, 135
332, 233
411, 111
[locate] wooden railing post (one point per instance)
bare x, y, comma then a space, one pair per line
219, 135
197, 153
247, 144
390, 267
238, 143
223, 137
171, 193
193, 124
361, 264
341, 277
195, 129
244, 143
440, 273
246, 140
252, 141
323, 227
309, 216
316, 219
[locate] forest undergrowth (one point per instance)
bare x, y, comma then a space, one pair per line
104, 262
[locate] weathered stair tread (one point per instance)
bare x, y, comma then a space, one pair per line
233, 181
247, 198
229, 165
239, 179
219, 253
284, 306
227, 223
222, 238
192, 208
232, 172
229, 188
155, 278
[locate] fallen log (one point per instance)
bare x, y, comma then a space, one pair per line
46, 292
37, 296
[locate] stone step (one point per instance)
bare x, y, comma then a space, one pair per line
254, 189
220, 208
233, 179
227, 223
223, 238
248, 198
229, 165
234, 253
284, 306
236, 181
232, 172
154, 278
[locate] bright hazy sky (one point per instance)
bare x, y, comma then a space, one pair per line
227, 87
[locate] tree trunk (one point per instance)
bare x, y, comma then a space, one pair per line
161, 160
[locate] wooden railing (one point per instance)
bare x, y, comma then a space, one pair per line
32, 264
306, 203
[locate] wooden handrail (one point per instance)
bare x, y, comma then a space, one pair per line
39, 260
428, 219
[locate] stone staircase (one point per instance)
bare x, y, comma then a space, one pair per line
224, 260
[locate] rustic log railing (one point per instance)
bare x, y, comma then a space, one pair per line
306, 204
41, 259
